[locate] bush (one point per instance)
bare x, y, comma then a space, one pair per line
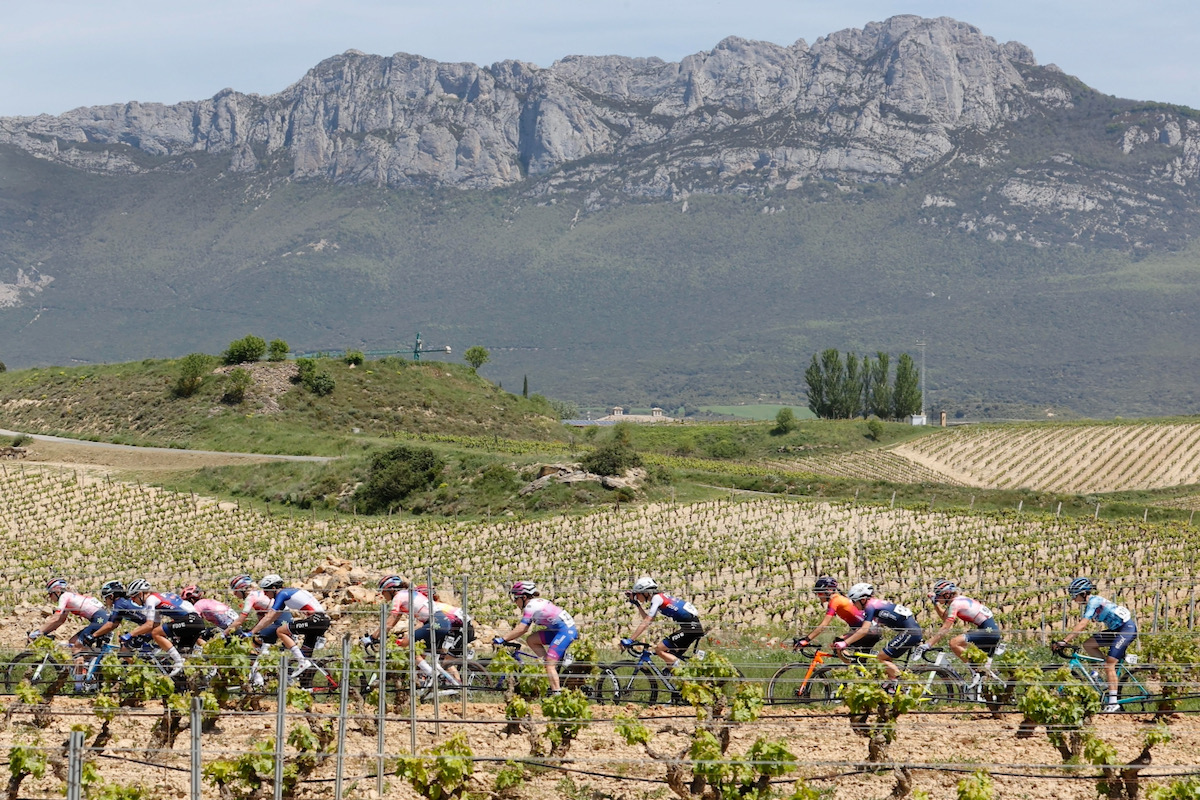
612, 458
192, 369
277, 350
875, 428
394, 475
319, 383
245, 350
238, 382
785, 421
2, 367
354, 358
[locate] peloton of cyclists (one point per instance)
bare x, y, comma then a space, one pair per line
650, 602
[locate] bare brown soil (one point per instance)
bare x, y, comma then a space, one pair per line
943, 748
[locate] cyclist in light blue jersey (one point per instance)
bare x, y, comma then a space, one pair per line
1120, 629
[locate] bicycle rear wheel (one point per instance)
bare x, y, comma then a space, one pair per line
630, 682
1141, 691
942, 685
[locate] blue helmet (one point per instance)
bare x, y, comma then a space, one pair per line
1081, 586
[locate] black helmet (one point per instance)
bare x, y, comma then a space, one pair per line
112, 589
825, 584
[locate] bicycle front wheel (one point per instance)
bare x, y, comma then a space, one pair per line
35, 667
787, 686
630, 683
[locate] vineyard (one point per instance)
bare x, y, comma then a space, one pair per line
1081, 459
748, 563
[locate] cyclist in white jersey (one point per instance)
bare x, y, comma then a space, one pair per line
81, 605
551, 643
309, 620
434, 622
951, 605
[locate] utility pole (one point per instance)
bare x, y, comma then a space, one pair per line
921, 345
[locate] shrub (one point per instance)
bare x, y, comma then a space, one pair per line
785, 421
319, 383
394, 475
612, 458
354, 358
239, 381
277, 350
245, 350
192, 369
477, 356
2, 367
875, 429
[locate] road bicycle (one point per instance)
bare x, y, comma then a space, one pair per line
571, 673
447, 685
815, 681
641, 680
43, 667
1136, 683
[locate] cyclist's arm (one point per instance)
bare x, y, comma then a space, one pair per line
947, 624
821, 627
266, 620
517, 632
1079, 628
56, 620
392, 619
941, 612
858, 634
144, 628
237, 623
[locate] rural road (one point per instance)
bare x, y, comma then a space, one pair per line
165, 450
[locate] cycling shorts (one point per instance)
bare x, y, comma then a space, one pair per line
312, 627
458, 638
688, 634
863, 645
88, 631
1117, 641
185, 630
556, 640
907, 639
986, 637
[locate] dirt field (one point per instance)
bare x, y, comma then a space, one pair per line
949, 746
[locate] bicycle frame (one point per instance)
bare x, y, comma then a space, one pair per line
1082, 665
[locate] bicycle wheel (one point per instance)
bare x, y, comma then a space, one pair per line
942, 685
1140, 690
634, 683
787, 685
826, 680
36, 667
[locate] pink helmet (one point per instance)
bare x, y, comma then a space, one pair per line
523, 589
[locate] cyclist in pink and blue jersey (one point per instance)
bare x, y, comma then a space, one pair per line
550, 643
1120, 629
650, 602
890, 615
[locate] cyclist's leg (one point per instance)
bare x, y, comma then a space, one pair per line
899, 646
559, 640
671, 648
1122, 638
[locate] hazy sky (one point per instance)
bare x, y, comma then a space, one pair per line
59, 54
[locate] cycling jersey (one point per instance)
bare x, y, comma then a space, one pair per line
297, 600
843, 607
166, 604
672, 608
126, 609
420, 605
216, 612
256, 601
891, 615
540, 611
968, 610
453, 613
81, 605
1106, 612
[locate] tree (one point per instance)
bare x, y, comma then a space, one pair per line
192, 369
2, 367
354, 358
906, 396
277, 350
239, 381
477, 356
785, 421
245, 350
525, 387
850, 389
879, 389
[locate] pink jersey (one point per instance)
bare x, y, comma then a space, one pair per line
256, 601
216, 612
968, 610
80, 605
540, 611
420, 605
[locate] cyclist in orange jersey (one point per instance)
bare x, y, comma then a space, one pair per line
837, 605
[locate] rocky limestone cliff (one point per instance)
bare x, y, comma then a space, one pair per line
871, 103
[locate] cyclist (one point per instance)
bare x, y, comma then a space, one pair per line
890, 615
218, 616
462, 628
170, 620
837, 605
255, 601
551, 643
1120, 629
81, 605
951, 605
435, 623
309, 620
645, 590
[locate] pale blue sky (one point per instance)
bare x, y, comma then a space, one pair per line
59, 54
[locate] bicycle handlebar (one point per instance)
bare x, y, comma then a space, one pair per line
1064, 652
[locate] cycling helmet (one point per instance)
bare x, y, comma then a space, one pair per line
825, 584
861, 591
138, 586
1081, 586
644, 585
523, 589
241, 583
57, 585
112, 589
271, 582
391, 583
943, 587
191, 593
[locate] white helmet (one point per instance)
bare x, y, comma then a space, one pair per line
644, 585
861, 591
271, 581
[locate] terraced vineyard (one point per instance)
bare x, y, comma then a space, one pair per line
747, 564
873, 465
